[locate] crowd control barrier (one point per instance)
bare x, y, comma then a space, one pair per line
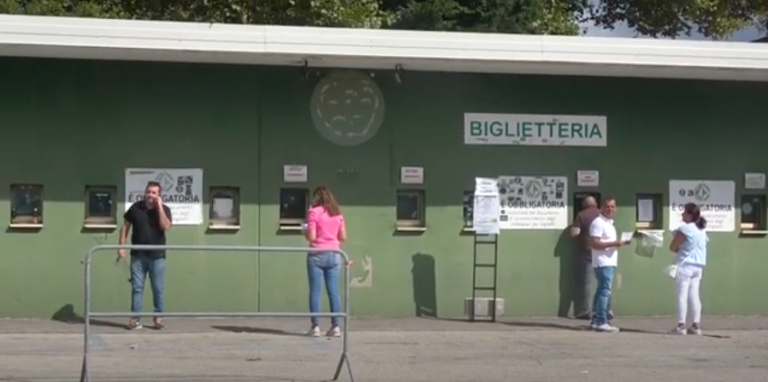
85, 375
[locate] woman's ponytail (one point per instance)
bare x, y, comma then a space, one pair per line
692, 210
701, 222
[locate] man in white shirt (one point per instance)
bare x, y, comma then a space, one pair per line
605, 244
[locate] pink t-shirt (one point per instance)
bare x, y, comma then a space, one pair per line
326, 228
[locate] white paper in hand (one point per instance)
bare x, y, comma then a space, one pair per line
627, 236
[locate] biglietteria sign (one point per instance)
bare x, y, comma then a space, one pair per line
535, 129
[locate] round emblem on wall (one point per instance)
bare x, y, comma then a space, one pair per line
347, 108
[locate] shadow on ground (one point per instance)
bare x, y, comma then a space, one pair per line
543, 324
255, 330
181, 378
578, 327
666, 333
66, 314
558, 324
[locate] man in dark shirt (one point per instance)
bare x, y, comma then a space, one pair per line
149, 218
583, 271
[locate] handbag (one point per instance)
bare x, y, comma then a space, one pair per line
672, 269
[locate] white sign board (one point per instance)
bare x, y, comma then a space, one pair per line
754, 181
587, 178
486, 208
294, 173
715, 199
411, 175
181, 190
535, 130
533, 202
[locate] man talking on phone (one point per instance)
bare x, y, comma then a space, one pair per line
149, 218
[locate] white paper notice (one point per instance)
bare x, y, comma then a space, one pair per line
294, 173
486, 207
715, 198
182, 191
627, 236
645, 210
534, 202
754, 181
411, 175
587, 178
223, 208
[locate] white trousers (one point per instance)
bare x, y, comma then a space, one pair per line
687, 285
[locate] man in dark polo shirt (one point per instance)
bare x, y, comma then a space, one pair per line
149, 218
583, 271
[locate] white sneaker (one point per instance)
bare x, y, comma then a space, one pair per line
134, 324
606, 328
694, 331
333, 332
680, 331
314, 332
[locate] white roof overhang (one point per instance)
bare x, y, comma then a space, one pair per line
101, 39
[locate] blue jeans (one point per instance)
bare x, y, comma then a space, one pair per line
324, 266
142, 265
604, 276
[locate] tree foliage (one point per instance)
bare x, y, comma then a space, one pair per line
335, 13
499, 16
671, 18
656, 18
90, 8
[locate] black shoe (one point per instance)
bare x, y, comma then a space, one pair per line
583, 316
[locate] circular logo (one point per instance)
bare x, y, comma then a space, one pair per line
347, 108
746, 208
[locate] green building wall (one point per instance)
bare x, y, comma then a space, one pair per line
69, 124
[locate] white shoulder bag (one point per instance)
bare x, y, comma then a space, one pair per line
671, 269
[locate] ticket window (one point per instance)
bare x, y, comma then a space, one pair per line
293, 208
100, 207
468, 204
26, 206
578, 200
410, 211
224, 208
649, 211
753, 215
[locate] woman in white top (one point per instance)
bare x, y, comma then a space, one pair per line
690, 248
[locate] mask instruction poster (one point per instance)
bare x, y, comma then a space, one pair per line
533, 202
181, 190
715, 199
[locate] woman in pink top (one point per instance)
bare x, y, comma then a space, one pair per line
325, 229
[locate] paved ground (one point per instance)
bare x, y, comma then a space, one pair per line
410, 350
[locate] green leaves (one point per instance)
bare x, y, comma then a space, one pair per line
671, 18
497, 16
72, 8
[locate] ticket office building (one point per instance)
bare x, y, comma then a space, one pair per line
401, 161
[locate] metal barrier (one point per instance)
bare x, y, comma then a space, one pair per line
85, 375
